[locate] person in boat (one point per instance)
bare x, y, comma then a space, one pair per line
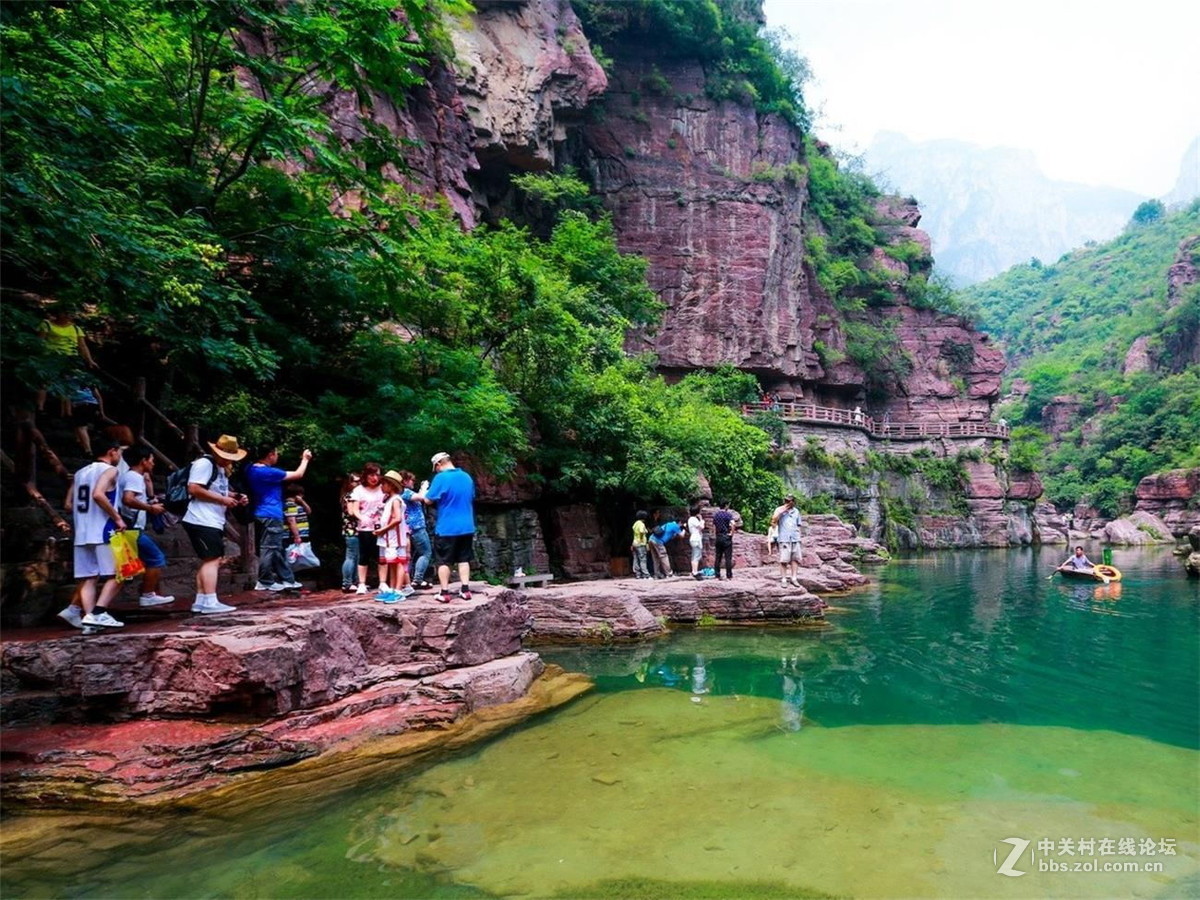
1079, 562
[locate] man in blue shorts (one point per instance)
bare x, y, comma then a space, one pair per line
453, 491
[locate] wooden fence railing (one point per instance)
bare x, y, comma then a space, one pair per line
30, 443
828, 415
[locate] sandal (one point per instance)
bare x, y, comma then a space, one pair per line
465, 593
443, 597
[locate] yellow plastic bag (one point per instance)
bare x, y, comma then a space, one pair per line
125, 554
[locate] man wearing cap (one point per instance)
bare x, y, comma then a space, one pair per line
453, 490
787, 519
266, 495
204, 521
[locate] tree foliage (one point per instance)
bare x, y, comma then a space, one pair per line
1068, 328
740, 62
175, 175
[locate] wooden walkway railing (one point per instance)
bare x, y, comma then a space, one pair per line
828, 415
31, 442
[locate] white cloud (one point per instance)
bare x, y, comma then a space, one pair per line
1101, 92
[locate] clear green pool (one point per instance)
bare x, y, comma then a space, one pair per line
962, 701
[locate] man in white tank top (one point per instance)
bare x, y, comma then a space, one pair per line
92, 497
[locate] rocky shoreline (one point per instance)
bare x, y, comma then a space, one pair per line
179, 709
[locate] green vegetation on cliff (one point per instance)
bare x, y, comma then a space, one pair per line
1068, 328
173, 177
740, 61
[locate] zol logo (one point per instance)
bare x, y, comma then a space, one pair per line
1019, 846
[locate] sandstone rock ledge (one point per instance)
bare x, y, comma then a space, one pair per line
179, 710
628, 609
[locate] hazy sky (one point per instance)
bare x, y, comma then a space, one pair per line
1102, 92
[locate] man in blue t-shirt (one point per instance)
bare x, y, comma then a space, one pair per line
265, 482
659, 538
453, 490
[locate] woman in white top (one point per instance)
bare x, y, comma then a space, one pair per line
695, 529
204, 521
366, 505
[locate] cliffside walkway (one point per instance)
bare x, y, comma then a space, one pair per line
826, 415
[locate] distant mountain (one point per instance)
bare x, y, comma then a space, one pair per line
1187, 185
990, 208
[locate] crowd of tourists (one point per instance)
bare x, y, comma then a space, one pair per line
652, 537
384, 516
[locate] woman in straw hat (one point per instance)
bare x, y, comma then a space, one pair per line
204, 521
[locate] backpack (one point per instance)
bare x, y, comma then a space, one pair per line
177, 497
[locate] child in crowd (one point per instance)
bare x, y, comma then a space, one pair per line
392, 535
296, 511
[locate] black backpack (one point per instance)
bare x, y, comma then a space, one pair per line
177, 497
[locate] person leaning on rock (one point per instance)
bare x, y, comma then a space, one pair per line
659, 538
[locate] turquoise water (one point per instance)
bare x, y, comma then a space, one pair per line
961, 701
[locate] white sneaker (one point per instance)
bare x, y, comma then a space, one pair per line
796, 581
292, 586
407, 591
73, 616
154, 600
361, 589
784, 581
259, 586
101, 618
207, 607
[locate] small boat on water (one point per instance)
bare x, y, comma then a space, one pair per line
1101, 573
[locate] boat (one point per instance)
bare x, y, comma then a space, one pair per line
1100, 573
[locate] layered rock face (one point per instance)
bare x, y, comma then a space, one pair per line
712, 194
1173, 497
699, 189
1184, 346
261, 662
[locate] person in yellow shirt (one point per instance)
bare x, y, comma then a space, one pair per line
63, 338
641, 545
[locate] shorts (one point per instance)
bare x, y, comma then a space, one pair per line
150, 553
790, 552
208, 542
94, 560
393, 556
84, 414
451, 549
368, 547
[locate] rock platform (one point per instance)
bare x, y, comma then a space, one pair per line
176, 704
629, 609
183, 709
